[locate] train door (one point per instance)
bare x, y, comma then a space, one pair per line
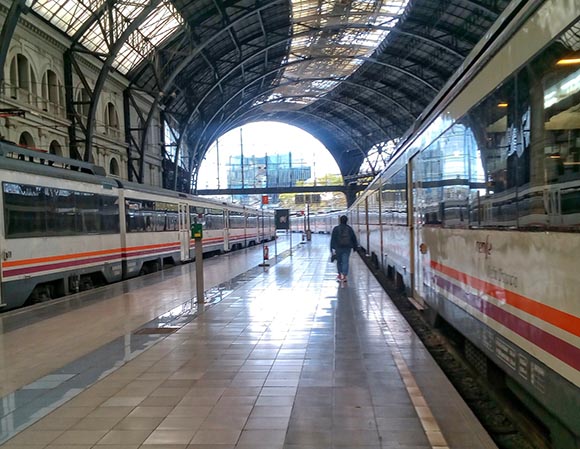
2, 256
418, 250
367, 227
226, 230
184, 230
553, 206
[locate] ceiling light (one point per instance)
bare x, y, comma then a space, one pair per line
502, 105
569, 61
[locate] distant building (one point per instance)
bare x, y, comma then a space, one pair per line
278, 170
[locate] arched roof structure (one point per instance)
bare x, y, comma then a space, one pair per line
353, 73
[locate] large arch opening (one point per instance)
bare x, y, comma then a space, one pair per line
268, 155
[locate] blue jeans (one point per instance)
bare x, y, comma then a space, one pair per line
342, 256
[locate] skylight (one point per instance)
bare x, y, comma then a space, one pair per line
71, 15
331, 39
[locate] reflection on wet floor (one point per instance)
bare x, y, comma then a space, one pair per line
20, 409
283, 358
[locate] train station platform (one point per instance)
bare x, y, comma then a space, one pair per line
282, 357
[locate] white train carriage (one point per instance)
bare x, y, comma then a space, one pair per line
323, 222
155, 228
60, 227
478, 213
66, 227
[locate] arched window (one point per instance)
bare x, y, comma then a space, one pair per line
52, 93
55, 148
83, 102
114, 167
111, 120
23, 84
26, 140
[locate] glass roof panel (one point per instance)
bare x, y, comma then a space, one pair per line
67, 15
70, 15
332, 38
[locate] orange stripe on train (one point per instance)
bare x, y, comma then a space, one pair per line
549, 314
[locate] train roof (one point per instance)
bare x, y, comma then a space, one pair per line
15, 158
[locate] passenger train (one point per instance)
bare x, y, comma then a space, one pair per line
478, 213
66, 227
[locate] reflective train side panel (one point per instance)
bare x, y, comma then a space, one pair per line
479, 214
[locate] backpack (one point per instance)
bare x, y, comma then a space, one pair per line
344, 240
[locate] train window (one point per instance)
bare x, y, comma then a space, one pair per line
394, 199
24, 210
172, 221
87, 206
237, 220
554, 89
214, 219
494, 127
197, 215
527, 137
151, 216
34, 211
442, 179
109, 215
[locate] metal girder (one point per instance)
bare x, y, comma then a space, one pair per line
427, 39
217, 36
76, 120
138, 143
202, 134
479, 6
87, 24
289, 38
107, 64
253, 115
321, 99
17, 8
348, 82
183, 64
285, 40
196, 148
226, 21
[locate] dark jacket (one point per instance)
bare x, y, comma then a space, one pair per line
334, 239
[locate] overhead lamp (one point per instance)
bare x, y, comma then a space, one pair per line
502, 104
571, 60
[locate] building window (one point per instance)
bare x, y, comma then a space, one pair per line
111, 120
114, 167
23, 84
83, 102
55, 148
26, 140
52, 94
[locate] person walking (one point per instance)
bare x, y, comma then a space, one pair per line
342, 241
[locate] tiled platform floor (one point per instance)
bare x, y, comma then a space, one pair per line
287, 360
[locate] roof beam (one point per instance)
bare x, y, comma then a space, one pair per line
201, 135
17, 8
107, 65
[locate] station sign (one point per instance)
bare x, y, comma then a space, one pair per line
196, 231
282, 218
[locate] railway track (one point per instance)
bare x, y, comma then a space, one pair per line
509, 424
